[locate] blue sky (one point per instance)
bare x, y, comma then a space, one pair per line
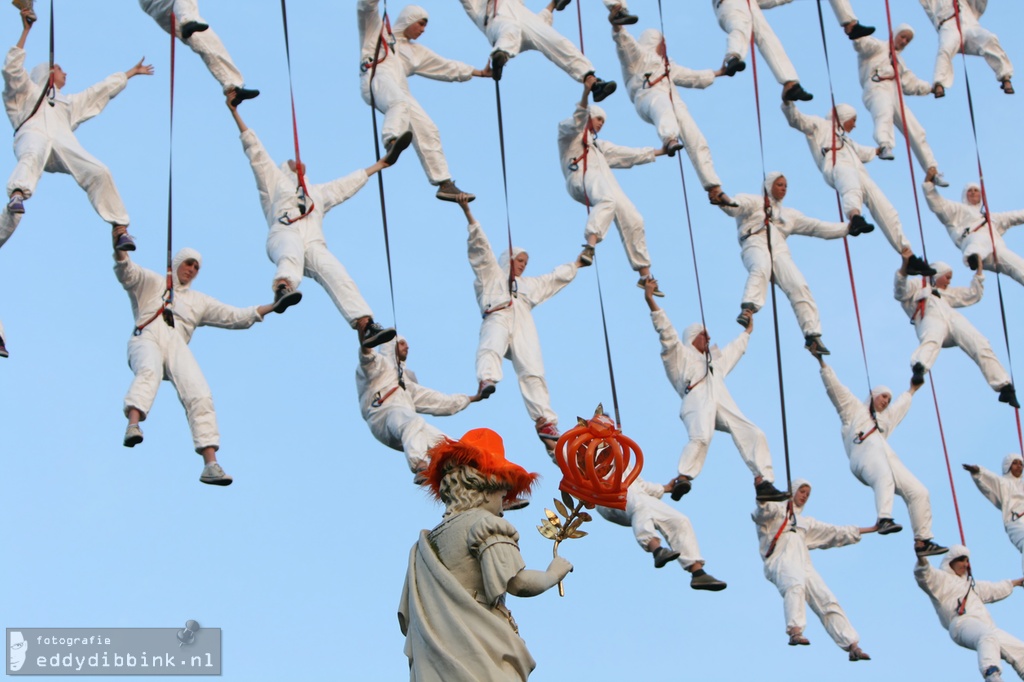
301, 561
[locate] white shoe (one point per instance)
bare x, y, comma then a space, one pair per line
213, 474
940, 180
132, 436
885, 153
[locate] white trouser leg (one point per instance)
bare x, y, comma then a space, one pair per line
504, 33
595, 190
750, 440
759, 266
557, 48
495, 336
408, 428
844, 12
96, 180
529, 366
734, 18
651, 516
426, 140
932, 332
979, 349
193, 392
982, 42
631, 230
771, 48
32, 150
793, 284
655, 107
286, 249
695, 145
323, 267
699, 419
914, 131
879, 98
949, 45
204, 43
1015, 533
869, 464
1009, 263
972, 633
883, 212
824, 604
1012, 651
789, 576
146, 359
390, 99
915, 495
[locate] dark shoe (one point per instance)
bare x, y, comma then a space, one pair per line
672, 147
17, 203
285, 297
132, 436
972, 261
190, 27
662, 556
813, 343
888, 526
859, 30
447, 191
1007, 86
743, 319
125, 243
733, 66
242, 94
798, 639
796, 92
939, 91
680, 486
657, 292
917, 376
856, 654
3, 349
396, 146
587, 255
486, 389
766, 492
602, 89
499, 58
929, 548
859, 226
706, 581
373, 335
918, 266
624, 18
561, 4
1008, 395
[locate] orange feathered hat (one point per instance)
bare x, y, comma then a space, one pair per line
483, 450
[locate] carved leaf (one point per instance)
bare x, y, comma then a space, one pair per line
553, 518
574, 525
547, 532
567, 498
561, 508
578, 534
585, 516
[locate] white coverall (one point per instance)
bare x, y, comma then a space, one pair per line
939, 326
658, 102
47, 141
648, 515
300, 248
161, 352
512, 28
872, 460
790, 569
392, 411
593, 184
206, 43
974, 629
401, 58
707, 405
847, 175
738, 18
968, 229
1006, 492
508, 330
976, 40
878, 80
753, 239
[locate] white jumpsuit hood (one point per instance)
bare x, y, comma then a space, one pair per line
650, 39
795, 486
845, 112
770, 179
969, 186
941, 268
505, 259
880, 389
691, 333
179, 258
597, 112
40, 73
955, 552
1010, 459
904, 27
410, 14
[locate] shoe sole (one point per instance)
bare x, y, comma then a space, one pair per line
680, 490
626, 21
127, 246
488, 391
498, 62
895, 528
287, 301
609, 88
710, 587
933, 552
377, 339
16, 210
238, 99
216, 481
400, 144
666, 560
132, 442
454, 198
772, 498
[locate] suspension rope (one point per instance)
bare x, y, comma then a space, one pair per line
504, 182
300, 170
377, 58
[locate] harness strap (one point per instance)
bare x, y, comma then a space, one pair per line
790, 518
379, 399
498, 307
382, 41
304, 208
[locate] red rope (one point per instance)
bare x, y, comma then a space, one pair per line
945, 452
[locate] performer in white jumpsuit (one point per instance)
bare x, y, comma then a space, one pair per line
959, 602
586, 164
648, 515
160, 351
930, 309
967, 227
976, 41
3, 346
1006, 492
750, 212
847, 19
511, 28
193, 30
866, 429
296, 242
391, 401
879, 82
740, 18
785, 535
841, 162
44, 137
650, 79
507, 330
697, 372
400, 57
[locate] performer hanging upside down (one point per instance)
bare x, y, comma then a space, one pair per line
159, 348
866, 429
193, 30
959, 29
757, 214
785, 535
586, 164
930, 309
296, 244
959, 602
44, 137
1006, 492
511, 28
506, 299
697, 372
968, 227
841, 162
399, 57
